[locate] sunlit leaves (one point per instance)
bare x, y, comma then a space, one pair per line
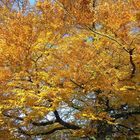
53, 54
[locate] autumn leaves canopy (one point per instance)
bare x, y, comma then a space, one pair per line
83, 54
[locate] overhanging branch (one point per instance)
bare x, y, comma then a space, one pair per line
130, 52
105, 35
125, 114
65, 124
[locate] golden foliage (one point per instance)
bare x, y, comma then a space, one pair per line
65, 50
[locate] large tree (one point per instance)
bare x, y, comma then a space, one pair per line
70, 66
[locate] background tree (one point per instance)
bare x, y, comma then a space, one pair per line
70, 66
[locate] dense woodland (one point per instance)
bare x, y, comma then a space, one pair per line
70, 70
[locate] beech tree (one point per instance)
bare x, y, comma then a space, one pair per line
70, 66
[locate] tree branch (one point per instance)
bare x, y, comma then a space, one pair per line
105, 35
81, 86
121, 125
130, 52
125, 114
65, 124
